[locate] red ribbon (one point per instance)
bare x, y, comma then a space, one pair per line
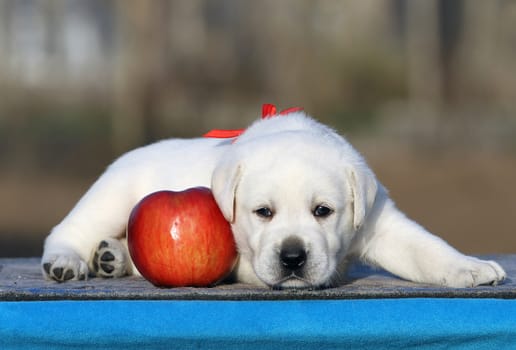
268, 111
223, 134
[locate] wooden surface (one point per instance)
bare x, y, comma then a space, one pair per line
21, 279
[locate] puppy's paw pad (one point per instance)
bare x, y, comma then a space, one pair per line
109, 259
65, 268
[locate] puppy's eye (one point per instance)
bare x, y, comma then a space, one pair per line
322, 211
264, 212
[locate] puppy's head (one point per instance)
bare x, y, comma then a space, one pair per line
295, 200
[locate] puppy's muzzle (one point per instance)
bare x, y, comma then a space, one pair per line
293, 254
292, 260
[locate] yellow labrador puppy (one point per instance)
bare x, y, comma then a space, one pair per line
301, 201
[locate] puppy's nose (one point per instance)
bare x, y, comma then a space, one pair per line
292, 254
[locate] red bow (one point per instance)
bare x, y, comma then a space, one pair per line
268, 111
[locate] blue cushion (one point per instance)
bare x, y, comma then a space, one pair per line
322, 324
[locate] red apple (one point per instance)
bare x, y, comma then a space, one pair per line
181, 239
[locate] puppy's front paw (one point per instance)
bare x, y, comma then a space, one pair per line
110, 259
474, 272
63, 268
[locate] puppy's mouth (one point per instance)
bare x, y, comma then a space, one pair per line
293, 281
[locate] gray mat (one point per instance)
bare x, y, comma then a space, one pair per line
21, 279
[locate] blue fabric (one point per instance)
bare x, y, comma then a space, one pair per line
324, 324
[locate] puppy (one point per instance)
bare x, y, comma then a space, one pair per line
301, 201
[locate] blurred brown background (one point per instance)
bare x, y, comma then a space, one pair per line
426, 90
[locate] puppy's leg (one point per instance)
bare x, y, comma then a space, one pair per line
101, 213
404, 248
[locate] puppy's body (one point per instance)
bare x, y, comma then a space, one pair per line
300, 199
103, 211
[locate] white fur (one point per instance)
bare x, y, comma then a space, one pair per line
290, 165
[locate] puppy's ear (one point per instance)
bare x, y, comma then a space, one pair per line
224, 183
364, 187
